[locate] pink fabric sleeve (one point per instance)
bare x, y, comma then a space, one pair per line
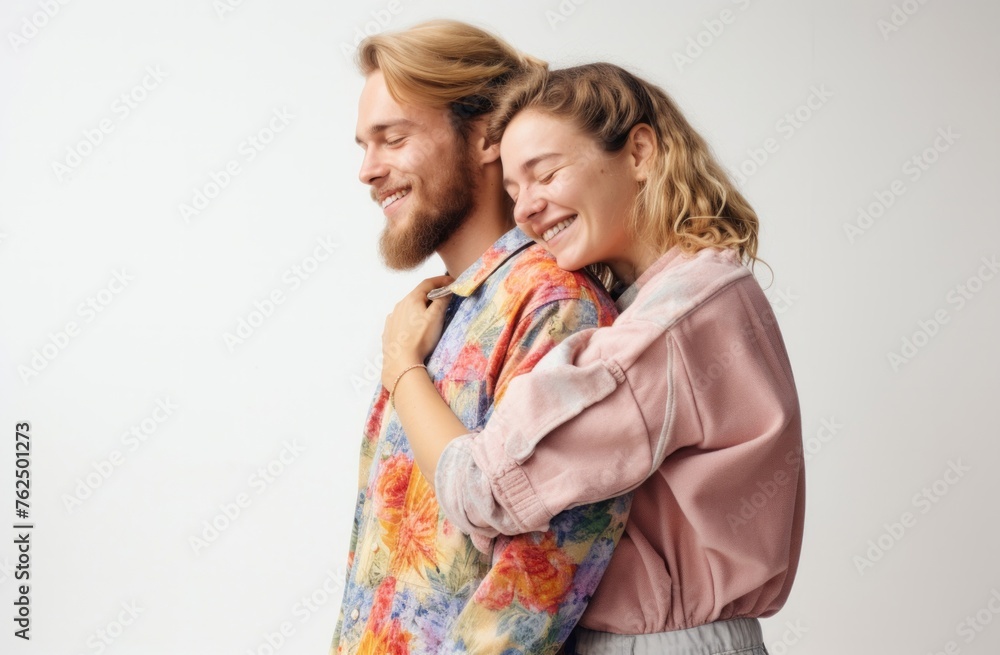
588, 455
601, 412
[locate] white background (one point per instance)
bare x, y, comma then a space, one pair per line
846, 302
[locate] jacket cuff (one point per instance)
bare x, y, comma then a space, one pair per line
517, 500
463, 492
519, 496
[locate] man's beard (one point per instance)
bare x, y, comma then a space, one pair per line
443, 209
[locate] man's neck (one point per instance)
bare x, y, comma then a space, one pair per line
480, 231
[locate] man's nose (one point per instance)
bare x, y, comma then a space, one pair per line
372, 167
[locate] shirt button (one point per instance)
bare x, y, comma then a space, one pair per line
355, 614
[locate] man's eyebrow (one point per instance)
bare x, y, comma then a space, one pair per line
379, 128
531, 163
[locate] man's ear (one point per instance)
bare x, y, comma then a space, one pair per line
485, 152
641, 150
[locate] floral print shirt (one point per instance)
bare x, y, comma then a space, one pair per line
417, 585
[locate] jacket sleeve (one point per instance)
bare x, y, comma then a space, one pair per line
598, 443
599, 415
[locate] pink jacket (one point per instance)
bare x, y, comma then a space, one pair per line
689, 400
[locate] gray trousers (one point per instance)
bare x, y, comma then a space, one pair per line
732, 637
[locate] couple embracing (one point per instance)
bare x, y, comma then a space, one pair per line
572, 419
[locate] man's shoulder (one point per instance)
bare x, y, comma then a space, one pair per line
535, 276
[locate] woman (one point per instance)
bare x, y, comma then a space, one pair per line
688, 399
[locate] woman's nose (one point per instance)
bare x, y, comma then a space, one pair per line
526, 207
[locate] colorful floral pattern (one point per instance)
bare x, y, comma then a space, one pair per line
538, 575
416, 585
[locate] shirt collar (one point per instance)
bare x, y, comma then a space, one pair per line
503, 249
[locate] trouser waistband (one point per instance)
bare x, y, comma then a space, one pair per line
709, 639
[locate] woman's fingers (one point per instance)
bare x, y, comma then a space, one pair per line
432, 283
413, 328
438, 307
438, 281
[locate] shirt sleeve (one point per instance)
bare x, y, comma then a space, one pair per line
540, 583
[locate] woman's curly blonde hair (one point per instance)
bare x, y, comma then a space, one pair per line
688, 199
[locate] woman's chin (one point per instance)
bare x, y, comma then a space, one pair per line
569, 263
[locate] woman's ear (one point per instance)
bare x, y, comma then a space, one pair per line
641, 149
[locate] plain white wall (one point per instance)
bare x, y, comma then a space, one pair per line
883, 421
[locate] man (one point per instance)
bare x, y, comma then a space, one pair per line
415, 583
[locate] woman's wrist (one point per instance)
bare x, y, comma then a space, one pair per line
394, 367
396, 380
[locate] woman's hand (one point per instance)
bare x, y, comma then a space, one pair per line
412, 329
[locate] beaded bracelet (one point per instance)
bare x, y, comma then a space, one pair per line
396, 383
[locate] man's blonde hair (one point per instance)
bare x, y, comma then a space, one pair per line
446, 64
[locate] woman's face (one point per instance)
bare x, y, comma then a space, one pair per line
570, 195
